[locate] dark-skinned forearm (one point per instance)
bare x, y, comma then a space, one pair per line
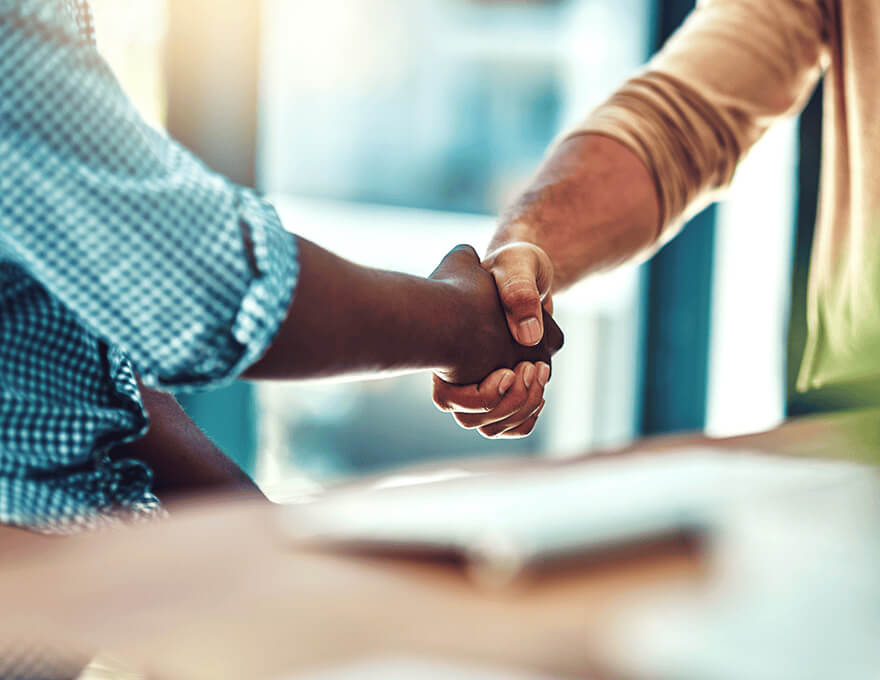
349, 320
183, 459
591, 206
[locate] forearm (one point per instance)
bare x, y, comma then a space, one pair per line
683, 125
591, 206
346, 320
183, 459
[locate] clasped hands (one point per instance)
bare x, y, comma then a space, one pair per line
496, 381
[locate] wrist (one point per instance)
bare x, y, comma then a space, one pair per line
591, 206
514, 228
454, 315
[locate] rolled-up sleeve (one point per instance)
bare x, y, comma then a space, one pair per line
187, 273
732, 70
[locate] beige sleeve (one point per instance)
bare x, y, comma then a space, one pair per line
731, 71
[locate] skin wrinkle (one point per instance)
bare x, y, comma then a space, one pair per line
726, 146
690, 163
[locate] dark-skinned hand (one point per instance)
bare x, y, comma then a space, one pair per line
487, 344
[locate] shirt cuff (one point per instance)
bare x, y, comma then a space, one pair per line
266, 301
689, 152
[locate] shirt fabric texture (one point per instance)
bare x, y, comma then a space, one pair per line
732, 70
121, 255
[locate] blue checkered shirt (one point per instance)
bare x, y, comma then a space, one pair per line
120, 254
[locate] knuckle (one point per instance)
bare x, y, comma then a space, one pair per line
518, 292
464, 249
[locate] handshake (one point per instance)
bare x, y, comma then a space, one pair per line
495, 379
484, 328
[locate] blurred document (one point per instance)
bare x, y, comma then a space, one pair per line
535, 514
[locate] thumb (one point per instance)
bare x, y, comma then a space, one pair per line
523, 274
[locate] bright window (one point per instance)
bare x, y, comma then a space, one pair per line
391, 130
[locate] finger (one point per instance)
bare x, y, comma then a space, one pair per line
522, 303
473, 398
499, 429
526, 428
543, 373
548, 304
523, 274
535, 397
513, 402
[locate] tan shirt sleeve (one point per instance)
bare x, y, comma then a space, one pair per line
732, 70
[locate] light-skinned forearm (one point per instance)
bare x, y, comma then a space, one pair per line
591, 206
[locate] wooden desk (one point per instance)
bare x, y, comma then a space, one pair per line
217, 593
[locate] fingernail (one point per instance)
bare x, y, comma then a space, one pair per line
529, 375
530, 331
506, 383
543, 374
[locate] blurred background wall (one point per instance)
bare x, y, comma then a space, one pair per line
391, 130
